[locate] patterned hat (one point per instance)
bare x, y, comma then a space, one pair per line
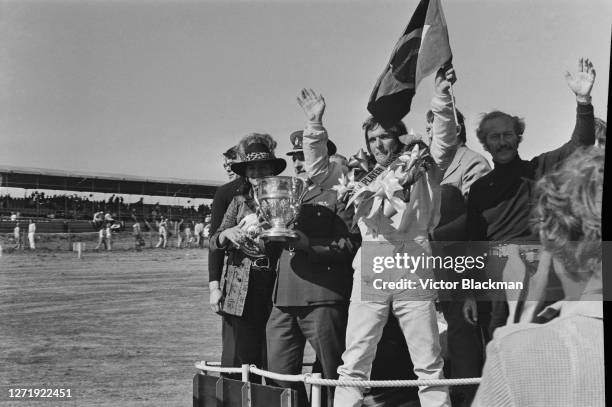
296, 140
258, 153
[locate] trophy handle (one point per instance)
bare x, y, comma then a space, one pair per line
255, 194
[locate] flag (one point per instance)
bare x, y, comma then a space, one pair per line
421, 50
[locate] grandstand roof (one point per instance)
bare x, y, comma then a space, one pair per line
41, 178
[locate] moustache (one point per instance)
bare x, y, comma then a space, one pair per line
504, 148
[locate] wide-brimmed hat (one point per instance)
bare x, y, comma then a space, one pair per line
258, 153
296, 139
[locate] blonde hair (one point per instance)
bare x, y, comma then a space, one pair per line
568, 208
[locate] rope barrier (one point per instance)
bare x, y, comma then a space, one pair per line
204, 366
278, 376
391, 383
309, 379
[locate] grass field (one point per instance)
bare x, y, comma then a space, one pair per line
122, 328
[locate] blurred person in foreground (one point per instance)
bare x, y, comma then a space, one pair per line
560, 362
243, 294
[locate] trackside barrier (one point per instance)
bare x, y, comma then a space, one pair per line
316, 381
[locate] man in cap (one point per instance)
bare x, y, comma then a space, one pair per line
313, 284
297, 153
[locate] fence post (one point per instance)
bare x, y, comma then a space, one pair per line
67, 228
315, 392
245, 372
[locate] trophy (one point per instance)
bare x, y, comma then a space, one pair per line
279, 199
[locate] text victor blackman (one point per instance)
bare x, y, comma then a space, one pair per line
432, 284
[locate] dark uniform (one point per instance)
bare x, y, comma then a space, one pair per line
312, 290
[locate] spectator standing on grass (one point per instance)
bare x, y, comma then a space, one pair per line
198, 230
31, 234
178, 229
188, 234
560, 363
17, 236
162, 228
98, 223
139, 242
109, 221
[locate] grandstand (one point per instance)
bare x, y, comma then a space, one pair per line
72, 211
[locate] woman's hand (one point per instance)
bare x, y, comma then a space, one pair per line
235, 235
215, 296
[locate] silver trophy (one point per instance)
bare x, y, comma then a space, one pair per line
279, 200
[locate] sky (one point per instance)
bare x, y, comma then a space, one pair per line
162, 88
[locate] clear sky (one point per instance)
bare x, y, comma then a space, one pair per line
161, 88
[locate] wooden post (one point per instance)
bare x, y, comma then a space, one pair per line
245, 372
315, 392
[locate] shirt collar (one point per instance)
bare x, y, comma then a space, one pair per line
591, 307
590, 303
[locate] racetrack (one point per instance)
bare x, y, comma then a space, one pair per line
118, 328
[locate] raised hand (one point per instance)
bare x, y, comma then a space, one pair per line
445, 77
312, 104
581, 82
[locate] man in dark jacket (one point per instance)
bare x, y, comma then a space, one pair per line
499, 203
312, 290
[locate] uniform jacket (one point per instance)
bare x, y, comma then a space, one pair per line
323, 274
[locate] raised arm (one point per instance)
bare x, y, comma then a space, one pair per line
444, 142
581, 84
320, 170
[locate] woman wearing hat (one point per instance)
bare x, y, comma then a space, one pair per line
244, 295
